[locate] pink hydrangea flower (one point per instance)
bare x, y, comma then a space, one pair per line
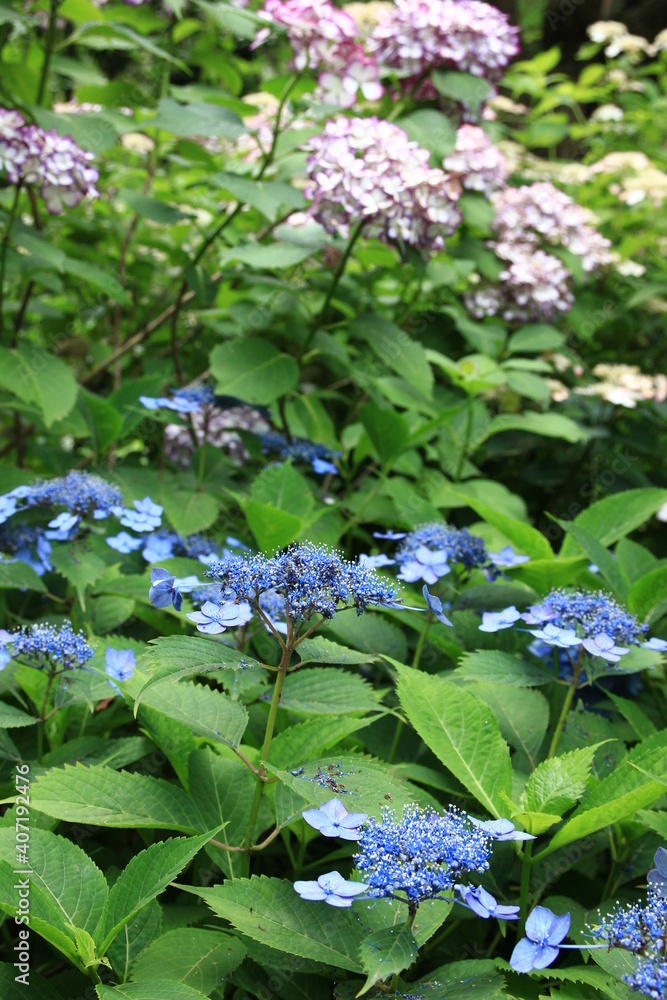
479, 165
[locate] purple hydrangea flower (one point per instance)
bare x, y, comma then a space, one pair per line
332, 888
476, 162
119, 664
333, 820
484, 904
163, 590
500, 829
493, 621
124, 543
214, 618
603, 645
544, 932
435, 606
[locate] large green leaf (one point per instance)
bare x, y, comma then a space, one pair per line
648, 596
620, 795
172, 657
98, 795
189, 512
13, 989
203, 710
146, 876
36, 376
272, 528
310, 739
394, 348
200, 118
19, 576
387, 429
523, 715
552, 425
283, 487
617, 515
325, 651
197, 957
270, 198
253, 370
525, 539
327, 691
493, 667
157, 989
431, 130
461, 732
269, 910
554, 787
46, 917
608, 565
137, 934
385, 952
12, 717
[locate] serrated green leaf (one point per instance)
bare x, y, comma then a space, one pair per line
387, 429
327, 691
81, 568
468, 980
197, 957
609, 567
13, 718
145, 877
648, 597
198, 118
46, 918
157, 989
325, 651
284, 488
36, 376
253, 370
640, 722
525, 539
203, 710
461, 733
523, 715
190, 513
270, 198
98, 795
551, 425
133, 937
19, 576
268, 910
617, 515
493, 667
173, 657
557, 784
396, 349
309, 739
12, 989
385, 952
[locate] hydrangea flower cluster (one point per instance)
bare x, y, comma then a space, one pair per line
211, 425
312, 579
535, 285
422, 854
80, 493
587, 621
476, 162
54, 163
428, 552
47, 647
642, 929
417, 36
367, 170
301, 450
323, 38
27, 544
182, 400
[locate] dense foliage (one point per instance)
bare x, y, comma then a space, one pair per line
333, 588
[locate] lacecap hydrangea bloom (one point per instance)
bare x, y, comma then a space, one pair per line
182, 401
367, 170
51, 162
421, 855
301, 450
430, 551
417, 36
49, 647
311, 579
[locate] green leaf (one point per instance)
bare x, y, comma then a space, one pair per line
253, 370
36, 376
525, 539
523, 715
203, 710
552, 425
172, 657
312, 738
620, 795
153, 209
276, 255
464, 88
460, 733
98, 795
617, 515
388, 431
98, 278
394, 348
493, 667
609, 567
268, 910
155, 990
272, 528
641, 723
271, 198
431, 130
647, 597
74, 885
557, 784
191, 955
19, 576
199, 118
325, 651
468, 980
385, 952
136, 935
81, 568
327, 691
13, 988
145, 877
535, 338
544, 575
12, 717
46, 918
283, 488
104, 422
190, 513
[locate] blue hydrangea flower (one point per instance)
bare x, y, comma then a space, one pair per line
657, 877
146, 515
507, 558
376, 562
589, 614
552, 635
273, 606
51, 647
333, 820
659, 645
163, 590
484, 904
7, 508
182, 400
321, 466
6, 639
119, 663
434, 605
500, 829
425, 564
603, 645
124, 543
300, 450
311, 579
539, 948
451, 546
29, 545
493, 621
79, 492
421, 854
214, 619
332, 888
393, 536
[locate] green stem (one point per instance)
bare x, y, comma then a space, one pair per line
567, 704
42, 719
338, 274
268, 736
48, 51
466, 441
393, 983
526, 862
3, 251
415, 666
